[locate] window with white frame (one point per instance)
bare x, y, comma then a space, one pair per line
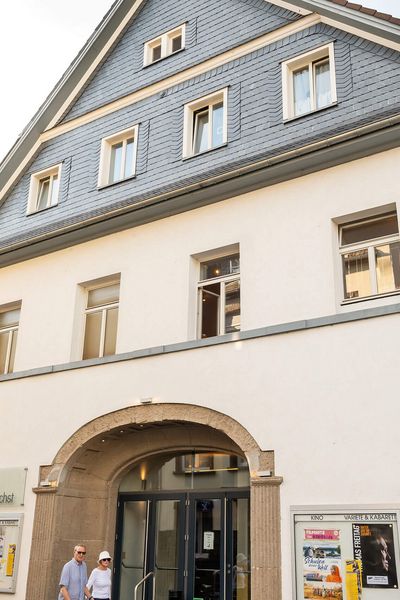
218, 296
9, 323
370, 254
101, 320
166, 44
118, 156
44, 189
205, 125
309, 82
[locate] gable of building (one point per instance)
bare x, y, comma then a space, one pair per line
262, 146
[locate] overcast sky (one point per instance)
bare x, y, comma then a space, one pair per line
38, 41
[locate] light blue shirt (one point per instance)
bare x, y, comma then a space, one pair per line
74, 578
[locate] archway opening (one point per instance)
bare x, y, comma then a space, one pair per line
183, 527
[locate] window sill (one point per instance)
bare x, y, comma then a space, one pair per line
104, 186
155, 62
37, 212
205, 151
311, 112
369, 298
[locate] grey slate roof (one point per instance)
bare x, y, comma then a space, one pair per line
258, 159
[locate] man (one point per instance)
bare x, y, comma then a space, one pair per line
74, 576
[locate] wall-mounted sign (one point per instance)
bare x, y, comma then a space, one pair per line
346, 555
12, 487
10, 542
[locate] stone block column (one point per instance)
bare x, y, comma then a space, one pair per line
265, 538
41, 563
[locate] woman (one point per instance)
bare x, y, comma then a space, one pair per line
334, 575
100, 579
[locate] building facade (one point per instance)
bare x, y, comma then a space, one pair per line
199, 303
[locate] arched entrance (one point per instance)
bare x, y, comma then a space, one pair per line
183, 520
79, 498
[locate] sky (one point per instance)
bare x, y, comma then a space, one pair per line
38, 41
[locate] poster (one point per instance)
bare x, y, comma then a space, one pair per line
322, 566
346, 554
374, 546
10, 535
353, 580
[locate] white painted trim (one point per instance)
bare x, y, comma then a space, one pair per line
105, 154
299, 25
303, 60
191, 108
371, 37
165, 40
31, 207
289, 6
182, 76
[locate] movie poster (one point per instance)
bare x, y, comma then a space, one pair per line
10, 532
322, 566
353, 580
373, 545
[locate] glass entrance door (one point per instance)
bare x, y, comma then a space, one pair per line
196, 544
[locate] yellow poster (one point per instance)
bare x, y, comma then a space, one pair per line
353, 580
10, 560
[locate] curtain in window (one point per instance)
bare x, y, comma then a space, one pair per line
322, 84
301, 91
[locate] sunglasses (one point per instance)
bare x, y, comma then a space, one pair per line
106, 559
80, 552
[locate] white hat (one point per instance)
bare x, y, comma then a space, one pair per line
103, 555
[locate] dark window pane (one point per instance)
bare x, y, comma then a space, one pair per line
210, 310
218, 267
176, 43
156, 53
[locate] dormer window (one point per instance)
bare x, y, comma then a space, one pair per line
44, 189
166, 44
118, 157
308, 82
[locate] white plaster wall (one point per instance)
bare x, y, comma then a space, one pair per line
320, 398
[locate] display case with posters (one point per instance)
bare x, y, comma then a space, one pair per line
10, 541
345, 553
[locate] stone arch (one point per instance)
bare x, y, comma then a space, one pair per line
80, 487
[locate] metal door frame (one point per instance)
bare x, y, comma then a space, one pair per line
186, 541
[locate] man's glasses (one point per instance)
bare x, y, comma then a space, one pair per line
80, 552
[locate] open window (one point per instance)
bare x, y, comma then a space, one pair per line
205, 125
218, 296
44, 189
9, 323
